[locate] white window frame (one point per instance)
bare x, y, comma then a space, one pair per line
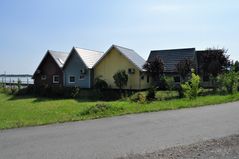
82, 78
56, 82
69, 79
43, 77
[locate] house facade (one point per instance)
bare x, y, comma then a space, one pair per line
118, 58
171, 58
49, 72
78, 70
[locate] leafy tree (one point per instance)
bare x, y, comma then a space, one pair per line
121, 79
236, 66
155, 68
184, 68
191, 88
214, 61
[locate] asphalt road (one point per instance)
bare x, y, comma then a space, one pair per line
119, 136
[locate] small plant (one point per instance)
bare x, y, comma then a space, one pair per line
100, 109
75, 92
138, 97
121, 79
19, 82
151, 94
169, 83
191, 88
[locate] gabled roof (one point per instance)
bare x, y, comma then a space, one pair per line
89, 57
172, 57
130, 54
58, 56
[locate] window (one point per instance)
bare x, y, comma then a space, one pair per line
131, 70
177, 79
147, 78
82, 77
72, 79
56, 79
43, 77
83, 71
142, 77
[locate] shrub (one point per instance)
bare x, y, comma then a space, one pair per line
138, 97
100, 83
228, 82
161, 83
100, 109
121, 79
151, 94
75, 92
169, 81
191, 88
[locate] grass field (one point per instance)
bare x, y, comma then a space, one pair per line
29, 111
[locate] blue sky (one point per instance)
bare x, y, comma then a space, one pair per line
29, 27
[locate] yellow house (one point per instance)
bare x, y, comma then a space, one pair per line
118, 58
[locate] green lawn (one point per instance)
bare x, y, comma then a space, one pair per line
29, 111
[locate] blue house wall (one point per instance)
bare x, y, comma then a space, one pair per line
73, 68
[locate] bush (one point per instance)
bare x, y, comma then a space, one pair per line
169, 82
100, 84
228, 82
151, 94
120, 79
161, 83
75, 92
138, 97
100, 109
191, 88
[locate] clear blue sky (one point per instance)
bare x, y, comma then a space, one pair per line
30, 27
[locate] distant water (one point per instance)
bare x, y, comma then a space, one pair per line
24, 80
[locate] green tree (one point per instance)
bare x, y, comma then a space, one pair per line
191, 88
228, 82
120, 79
236, 66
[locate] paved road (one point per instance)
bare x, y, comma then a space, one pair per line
115, 137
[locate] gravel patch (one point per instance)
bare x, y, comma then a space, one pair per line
223, 148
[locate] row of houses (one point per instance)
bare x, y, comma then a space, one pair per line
81, 67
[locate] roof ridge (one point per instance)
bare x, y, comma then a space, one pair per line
88, 49
175, 49
123, 47
58, 51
